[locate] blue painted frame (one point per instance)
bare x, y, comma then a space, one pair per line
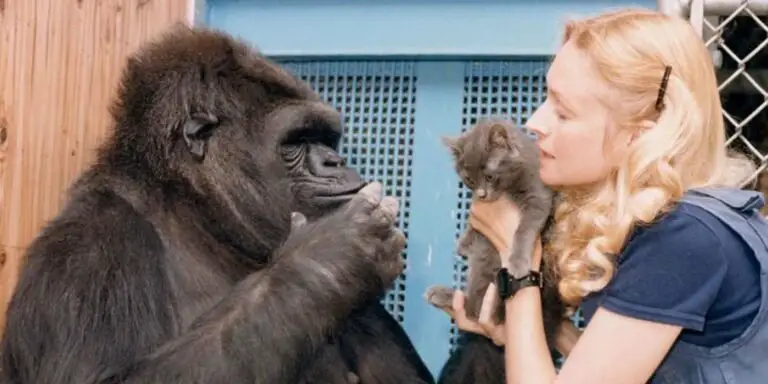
402, 28
433, 205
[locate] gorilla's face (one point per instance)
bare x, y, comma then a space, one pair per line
291, 148
247, 141
284, 144
319, 178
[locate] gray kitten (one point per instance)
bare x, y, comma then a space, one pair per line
495, 158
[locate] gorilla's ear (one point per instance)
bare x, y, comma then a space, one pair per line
197, 129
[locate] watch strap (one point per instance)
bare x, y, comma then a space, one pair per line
508, 285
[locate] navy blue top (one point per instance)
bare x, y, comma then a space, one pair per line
687, 269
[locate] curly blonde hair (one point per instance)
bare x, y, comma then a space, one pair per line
681, 147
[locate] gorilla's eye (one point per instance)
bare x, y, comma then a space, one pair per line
292, 153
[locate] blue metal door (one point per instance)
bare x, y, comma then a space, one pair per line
396, 110
395, 113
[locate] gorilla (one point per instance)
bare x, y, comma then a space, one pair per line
174, 259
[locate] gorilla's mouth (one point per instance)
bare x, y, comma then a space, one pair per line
338, 192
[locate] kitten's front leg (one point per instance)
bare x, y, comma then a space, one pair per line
473, 246
468, 242
522, 250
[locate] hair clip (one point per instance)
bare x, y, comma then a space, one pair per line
663, 88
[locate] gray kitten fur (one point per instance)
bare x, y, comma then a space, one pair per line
495, 158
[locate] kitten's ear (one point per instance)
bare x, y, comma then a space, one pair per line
499, 136
452, 143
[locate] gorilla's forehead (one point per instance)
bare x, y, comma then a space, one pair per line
313, 120
184, 50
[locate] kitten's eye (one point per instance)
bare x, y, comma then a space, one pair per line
489, 178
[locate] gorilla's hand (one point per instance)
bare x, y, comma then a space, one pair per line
354, 252
371, 229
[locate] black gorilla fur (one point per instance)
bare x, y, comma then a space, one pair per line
174, 261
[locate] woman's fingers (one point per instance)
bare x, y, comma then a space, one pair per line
496, 220
485, 325
486, 319
460, 316
487, 308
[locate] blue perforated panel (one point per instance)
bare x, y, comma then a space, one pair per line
393, 132
376, 100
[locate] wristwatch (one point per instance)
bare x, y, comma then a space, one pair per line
508, 285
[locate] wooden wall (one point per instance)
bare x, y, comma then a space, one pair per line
59, 64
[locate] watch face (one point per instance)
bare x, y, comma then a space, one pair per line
502, 283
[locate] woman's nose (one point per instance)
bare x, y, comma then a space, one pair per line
537, 123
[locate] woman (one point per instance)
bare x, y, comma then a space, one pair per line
670, 289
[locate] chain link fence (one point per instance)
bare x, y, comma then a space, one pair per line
736, 33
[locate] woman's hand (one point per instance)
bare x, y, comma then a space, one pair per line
484, 325
498, 220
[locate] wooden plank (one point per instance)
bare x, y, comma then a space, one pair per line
59, 64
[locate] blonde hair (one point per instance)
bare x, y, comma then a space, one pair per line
684, 148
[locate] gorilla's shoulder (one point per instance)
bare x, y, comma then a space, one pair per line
97, 227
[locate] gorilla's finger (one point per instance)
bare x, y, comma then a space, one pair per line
298, 220
386, 213
391, 267
352, 378
390, 205
397, 240
370, 194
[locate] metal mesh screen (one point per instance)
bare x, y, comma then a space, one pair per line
376, 100
737, 34
739, 39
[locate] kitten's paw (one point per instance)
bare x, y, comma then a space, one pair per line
518, 266
352, 378
440, 297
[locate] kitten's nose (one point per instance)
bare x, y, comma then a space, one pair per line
481, 193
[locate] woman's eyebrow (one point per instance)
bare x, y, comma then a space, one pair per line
559, 99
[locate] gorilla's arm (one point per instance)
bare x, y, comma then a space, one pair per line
113, 317
373, 333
